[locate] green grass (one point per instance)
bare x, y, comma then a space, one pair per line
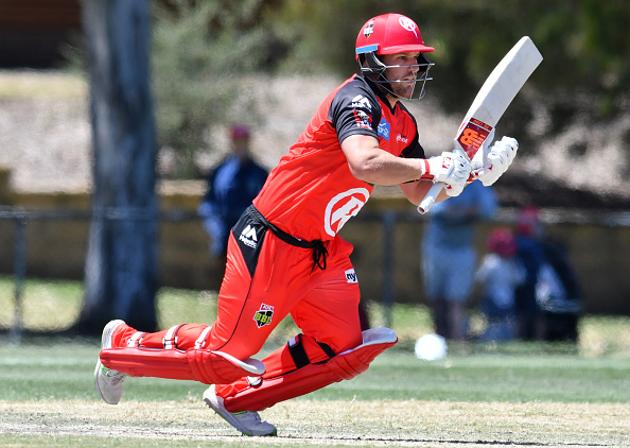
55, 305
481, 395
62, 371
48, 399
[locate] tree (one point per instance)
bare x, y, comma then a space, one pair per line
202, 53
121, 265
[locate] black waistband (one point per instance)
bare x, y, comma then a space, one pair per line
319, 250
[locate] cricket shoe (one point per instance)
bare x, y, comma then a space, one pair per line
109, 382
247, 422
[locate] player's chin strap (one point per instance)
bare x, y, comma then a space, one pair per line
310, 377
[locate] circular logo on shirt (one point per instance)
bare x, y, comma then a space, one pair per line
343, 207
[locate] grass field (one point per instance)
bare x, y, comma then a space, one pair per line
48, 399
480, 396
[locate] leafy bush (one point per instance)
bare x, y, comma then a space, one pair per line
201, 52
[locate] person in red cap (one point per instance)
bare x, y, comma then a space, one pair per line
231, 187
285, 256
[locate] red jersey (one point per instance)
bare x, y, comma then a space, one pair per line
311, 193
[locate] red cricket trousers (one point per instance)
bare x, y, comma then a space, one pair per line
266, 279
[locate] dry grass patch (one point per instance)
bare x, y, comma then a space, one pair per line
41, 84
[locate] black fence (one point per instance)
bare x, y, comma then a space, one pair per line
388, 222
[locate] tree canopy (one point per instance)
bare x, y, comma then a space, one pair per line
201, 46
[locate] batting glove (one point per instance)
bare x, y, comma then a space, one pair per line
449, 168
489, 164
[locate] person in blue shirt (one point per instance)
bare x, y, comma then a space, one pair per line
449, 256
232, 185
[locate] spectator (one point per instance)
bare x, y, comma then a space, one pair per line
548, 302
530, 255
499, 275
449, 256
232, 185
558, 294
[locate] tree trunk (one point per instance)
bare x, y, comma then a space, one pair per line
121, 265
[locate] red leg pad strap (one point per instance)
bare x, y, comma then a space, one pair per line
206, 366
312, 377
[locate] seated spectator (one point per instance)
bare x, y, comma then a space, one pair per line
499, 274
549, 300
557, 294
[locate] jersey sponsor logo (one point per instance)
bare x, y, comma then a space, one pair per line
248, 236
363, 120
407, 24
361, 102
401, 139
351, 276
368, 29
342, 207
384, 128
264, 315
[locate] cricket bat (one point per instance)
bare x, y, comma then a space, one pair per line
494, 97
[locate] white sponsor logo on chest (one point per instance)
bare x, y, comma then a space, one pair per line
343, 207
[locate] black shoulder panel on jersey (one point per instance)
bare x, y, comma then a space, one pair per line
415, 149
355, 110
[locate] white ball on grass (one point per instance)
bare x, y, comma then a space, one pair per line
431, 347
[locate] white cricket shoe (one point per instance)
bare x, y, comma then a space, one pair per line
109, 382
247, 422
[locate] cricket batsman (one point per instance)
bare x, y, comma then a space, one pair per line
285, 255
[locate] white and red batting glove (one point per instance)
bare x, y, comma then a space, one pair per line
450, 168
489, 164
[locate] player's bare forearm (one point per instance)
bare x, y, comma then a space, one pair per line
371, 164
415, 191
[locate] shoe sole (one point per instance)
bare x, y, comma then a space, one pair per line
227, 416
106, 342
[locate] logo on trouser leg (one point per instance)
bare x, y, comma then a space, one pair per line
249, 237
263, 315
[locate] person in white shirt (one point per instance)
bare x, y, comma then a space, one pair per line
499, 274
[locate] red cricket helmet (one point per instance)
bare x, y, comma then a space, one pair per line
390, 34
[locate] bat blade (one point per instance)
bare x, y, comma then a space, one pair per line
496, 93
491, 102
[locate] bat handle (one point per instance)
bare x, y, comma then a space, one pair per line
428, 201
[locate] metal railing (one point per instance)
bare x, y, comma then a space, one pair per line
21, 217
389, 219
